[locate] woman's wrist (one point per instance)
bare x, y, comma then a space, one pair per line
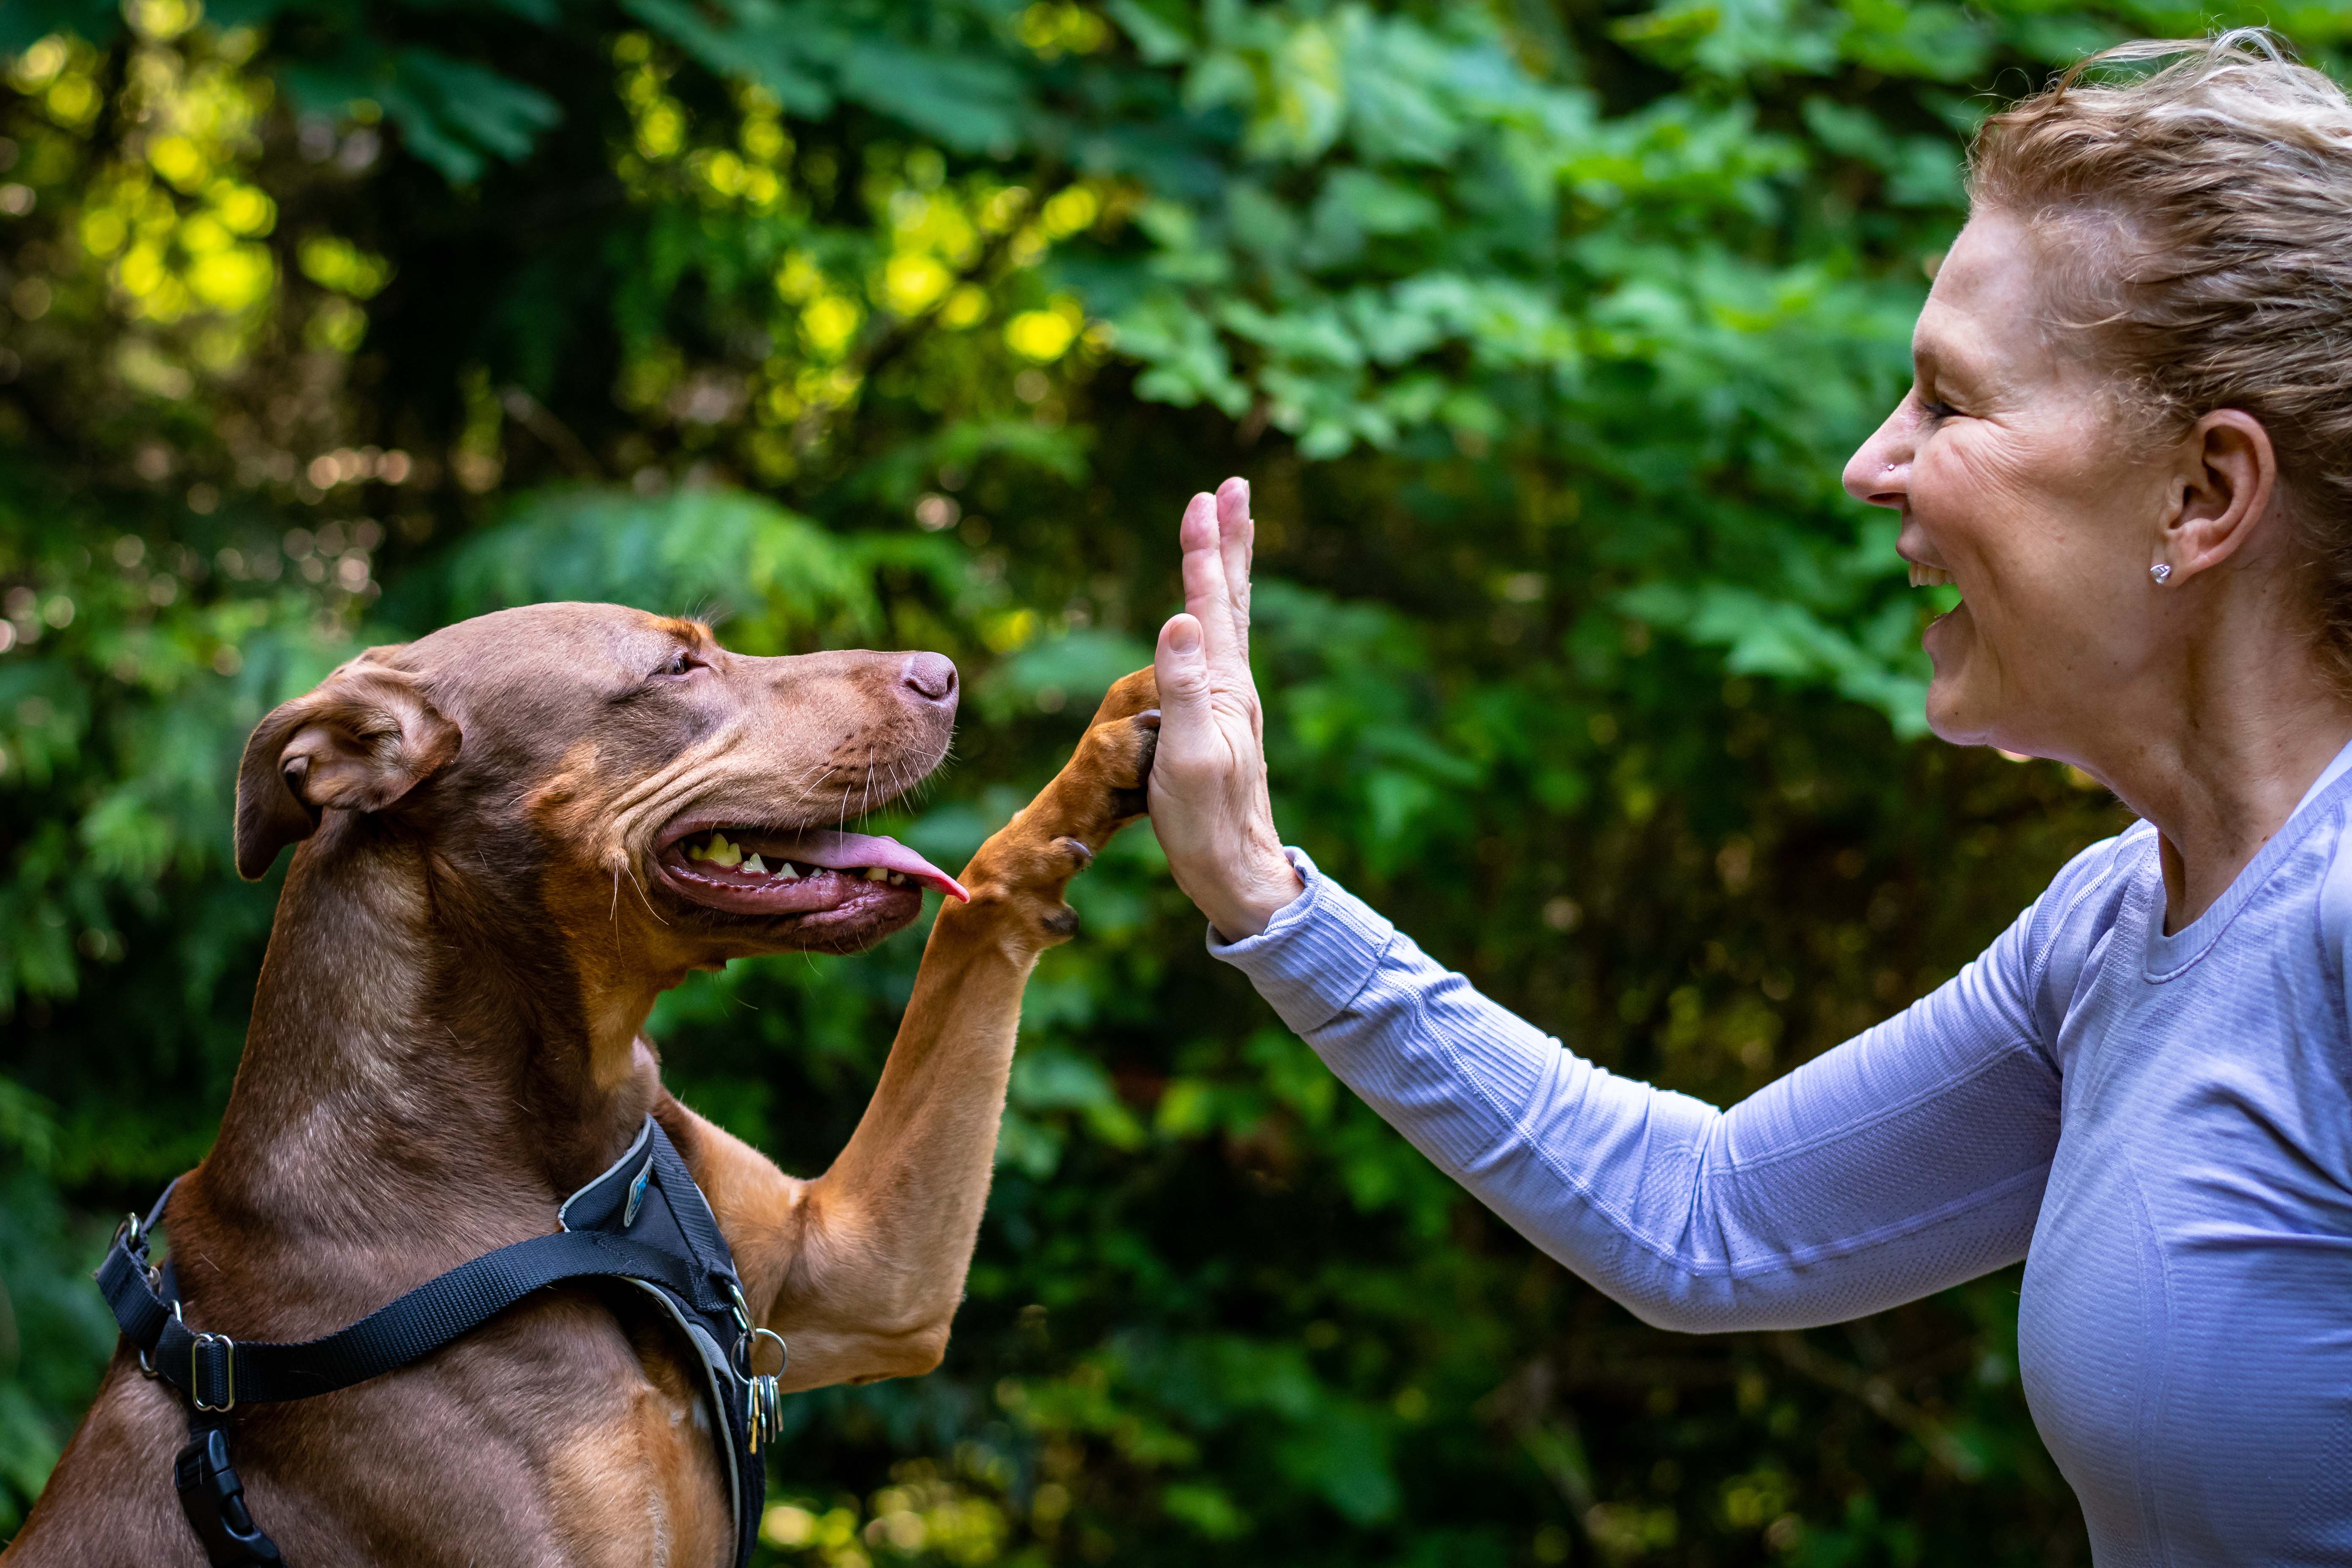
1251, 894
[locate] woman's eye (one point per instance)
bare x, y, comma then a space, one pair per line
1937, 410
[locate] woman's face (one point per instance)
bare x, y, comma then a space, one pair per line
2015, 478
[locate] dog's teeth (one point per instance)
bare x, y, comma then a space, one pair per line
876, 874
898, 878
695, 851
723, 853
753, 863
788, 873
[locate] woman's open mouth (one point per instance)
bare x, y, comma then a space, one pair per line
758, 871
1926, 576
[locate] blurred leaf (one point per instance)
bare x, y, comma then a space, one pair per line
776, 579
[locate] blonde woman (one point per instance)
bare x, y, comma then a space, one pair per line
2129, 444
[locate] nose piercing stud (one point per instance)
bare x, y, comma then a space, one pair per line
2161, 572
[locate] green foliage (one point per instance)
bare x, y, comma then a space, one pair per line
1542, 331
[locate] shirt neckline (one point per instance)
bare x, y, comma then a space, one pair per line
2166, 957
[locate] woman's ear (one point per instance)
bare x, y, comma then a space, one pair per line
2227, 476
360, 741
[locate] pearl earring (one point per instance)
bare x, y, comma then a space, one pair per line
2161, 572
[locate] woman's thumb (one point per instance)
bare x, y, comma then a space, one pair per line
1181, 664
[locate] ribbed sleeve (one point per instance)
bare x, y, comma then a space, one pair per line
1910, 1158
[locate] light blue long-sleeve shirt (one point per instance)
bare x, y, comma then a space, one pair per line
2160, 1126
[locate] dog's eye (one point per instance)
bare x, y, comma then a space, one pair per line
682, 662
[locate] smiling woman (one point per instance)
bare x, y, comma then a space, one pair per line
2129, 444
2129, 448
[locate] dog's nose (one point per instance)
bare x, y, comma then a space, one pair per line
930, 676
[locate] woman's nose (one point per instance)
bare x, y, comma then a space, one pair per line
1879, 472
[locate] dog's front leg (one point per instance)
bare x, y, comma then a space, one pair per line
861, 1269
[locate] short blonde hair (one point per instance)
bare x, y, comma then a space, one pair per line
2213, 200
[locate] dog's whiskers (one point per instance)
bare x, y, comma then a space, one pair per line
640, 887
812, 779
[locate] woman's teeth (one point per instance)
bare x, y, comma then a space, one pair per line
1930, 576
714, 848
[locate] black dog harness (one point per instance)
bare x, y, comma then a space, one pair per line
643, 1221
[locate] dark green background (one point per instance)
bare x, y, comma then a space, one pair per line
1541, 327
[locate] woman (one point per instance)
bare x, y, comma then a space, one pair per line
2129, 444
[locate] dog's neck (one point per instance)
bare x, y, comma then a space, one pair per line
418, 1052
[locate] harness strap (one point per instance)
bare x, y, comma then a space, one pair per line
218, 1373
644, 1220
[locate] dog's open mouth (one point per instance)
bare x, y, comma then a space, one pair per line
756, 872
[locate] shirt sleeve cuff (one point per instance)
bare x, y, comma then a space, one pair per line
1315, 955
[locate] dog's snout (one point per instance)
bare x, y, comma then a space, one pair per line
930, 676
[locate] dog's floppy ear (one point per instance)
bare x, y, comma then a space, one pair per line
364, 738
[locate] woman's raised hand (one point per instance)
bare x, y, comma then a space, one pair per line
1208, 803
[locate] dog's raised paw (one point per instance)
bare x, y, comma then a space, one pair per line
1116, 753
1103, 787
1131, 744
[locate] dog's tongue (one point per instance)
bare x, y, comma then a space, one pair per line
849, 851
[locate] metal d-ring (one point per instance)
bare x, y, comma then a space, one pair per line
747, 1340
146, 1367
783, 1350
747, 1346
763, 1397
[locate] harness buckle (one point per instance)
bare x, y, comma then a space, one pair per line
213, 1500
196, 1381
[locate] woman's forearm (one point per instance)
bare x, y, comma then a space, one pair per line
1909, 1158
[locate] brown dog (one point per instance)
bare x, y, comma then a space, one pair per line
507, 853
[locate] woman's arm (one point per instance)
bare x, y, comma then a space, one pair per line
1909, 1158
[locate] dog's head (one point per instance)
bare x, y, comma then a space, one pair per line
571, 756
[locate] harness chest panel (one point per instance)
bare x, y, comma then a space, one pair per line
644, 1220
649, 1197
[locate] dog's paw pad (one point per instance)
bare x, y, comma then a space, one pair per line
1146, 744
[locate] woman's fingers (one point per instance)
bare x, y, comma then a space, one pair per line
1208, 797
1237, 538
1206, 595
